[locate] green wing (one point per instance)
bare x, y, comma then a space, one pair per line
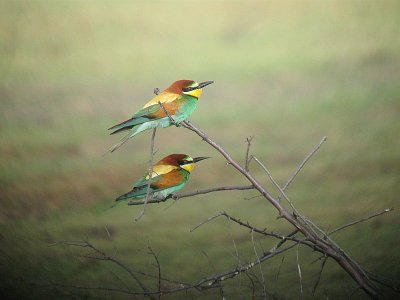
143, 182
147, 111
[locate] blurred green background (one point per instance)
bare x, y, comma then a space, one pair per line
286, 72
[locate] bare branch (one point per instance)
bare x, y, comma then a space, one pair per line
323, 244
210, 281
360, 220
216, 189
195, 193
104, 256
233, 163
252, 228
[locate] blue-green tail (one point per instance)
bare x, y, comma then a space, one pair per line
136, 129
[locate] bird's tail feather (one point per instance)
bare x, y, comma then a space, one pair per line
121, 142
127, 195
134, 130
128, 124
132, 195
120, 125
123, 197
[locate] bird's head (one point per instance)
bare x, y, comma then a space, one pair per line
183, 161
188, 87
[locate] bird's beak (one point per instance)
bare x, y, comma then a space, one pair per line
203, 84
197, 159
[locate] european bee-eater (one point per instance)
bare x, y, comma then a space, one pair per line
169, 175
179, 100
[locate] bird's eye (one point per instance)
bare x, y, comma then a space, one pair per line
187, 89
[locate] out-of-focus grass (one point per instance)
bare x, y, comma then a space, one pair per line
287, 73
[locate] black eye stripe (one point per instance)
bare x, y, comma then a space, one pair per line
184, 162
187, 89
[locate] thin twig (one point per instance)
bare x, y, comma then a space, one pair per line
234, 243
221, 291
276, 184
247, 159
150, 176
109, 237
297, 213
261, 271
121, 281
206, 221
305, 160
310, 225
360, 220
158, 268
319, 275
299, 270
253, 287
279, 269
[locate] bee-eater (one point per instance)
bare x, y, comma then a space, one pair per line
169, 175
179, 100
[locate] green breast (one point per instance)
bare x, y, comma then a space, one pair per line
187, 106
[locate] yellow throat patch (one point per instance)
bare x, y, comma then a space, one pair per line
195, 93
188, 167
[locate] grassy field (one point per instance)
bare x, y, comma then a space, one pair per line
287, 73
